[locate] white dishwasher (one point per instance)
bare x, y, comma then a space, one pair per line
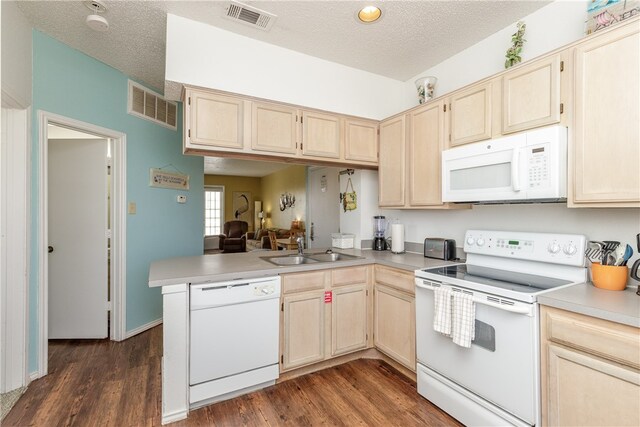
234, 338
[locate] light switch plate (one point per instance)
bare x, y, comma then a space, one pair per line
181, 199
131, 208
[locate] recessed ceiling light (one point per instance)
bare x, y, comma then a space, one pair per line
369, 14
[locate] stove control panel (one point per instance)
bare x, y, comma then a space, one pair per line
567, 249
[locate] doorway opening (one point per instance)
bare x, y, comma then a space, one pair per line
82, 232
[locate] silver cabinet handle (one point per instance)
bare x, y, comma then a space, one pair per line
311, 236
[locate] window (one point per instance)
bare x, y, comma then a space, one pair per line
213, 210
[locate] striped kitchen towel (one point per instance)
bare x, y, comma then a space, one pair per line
442, 310
463, 324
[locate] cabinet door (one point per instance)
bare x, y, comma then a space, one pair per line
320, 135
274, 128
349, 319
394, 326
303, 329
361, 140
606, 131
426, 139
391, 165
584, 390
471, 114
531, 95
214, 120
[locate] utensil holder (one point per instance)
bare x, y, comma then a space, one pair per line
610, 277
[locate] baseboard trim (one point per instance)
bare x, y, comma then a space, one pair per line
175, 416
141, 329
34, 376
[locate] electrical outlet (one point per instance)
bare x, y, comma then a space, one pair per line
131, 208
181, 199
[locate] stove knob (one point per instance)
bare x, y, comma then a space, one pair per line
480, 241
554, 248
470, 241
570, 249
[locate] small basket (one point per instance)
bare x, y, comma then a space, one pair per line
342, 240
610, 277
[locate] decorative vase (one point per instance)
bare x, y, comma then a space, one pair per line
425, 86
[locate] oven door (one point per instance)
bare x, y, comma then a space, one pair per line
485, 171
501, 367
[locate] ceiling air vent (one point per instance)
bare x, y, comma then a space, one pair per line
251, 16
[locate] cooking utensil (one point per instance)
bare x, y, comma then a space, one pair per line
594, 251
618, 254
610, 245
628, 253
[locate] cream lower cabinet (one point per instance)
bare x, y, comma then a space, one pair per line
590, 371
394, 315
304, 329
606, 135
325, 313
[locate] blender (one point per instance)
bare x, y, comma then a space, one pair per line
379, 228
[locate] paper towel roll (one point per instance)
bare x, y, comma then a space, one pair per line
397, 238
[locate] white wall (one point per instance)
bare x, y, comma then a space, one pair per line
207, 56
553, 26
16, 57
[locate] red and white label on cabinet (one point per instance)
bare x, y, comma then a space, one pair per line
328, 297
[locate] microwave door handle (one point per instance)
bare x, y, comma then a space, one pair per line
515, 170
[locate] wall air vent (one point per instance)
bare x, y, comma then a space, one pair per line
149, 105
249, 15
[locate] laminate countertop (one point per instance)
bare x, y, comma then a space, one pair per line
616, 306
246, 265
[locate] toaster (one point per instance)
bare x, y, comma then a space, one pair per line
444, 249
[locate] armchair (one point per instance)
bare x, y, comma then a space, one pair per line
233, 237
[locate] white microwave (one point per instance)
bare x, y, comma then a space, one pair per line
520, 168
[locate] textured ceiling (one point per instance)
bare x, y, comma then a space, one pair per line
411, 37
236, 167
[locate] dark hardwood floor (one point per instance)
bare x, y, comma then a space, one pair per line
104, 383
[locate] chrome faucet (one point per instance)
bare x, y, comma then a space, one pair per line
300, 242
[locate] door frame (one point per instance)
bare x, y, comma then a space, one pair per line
118, 228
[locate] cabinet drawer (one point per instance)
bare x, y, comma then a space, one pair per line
349, 276
613, 341
395, 278
298, 282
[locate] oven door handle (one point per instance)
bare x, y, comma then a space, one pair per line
510, 308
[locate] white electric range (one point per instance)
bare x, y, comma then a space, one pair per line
496, 380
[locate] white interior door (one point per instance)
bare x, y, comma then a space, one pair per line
324, 206
78, 264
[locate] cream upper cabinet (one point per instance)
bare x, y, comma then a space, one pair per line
590, 371
606, 135
349, 331
426, 140
320, 135
213, 120
531, 95
274, 128
471, 114
361, 140
391, 165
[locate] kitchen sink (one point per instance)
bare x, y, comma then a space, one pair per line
331, 257
289, 260
308, 258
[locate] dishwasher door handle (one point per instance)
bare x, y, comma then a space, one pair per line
229, 286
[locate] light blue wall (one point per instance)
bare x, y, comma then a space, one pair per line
72, 84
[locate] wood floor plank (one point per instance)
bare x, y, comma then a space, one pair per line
104, 383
